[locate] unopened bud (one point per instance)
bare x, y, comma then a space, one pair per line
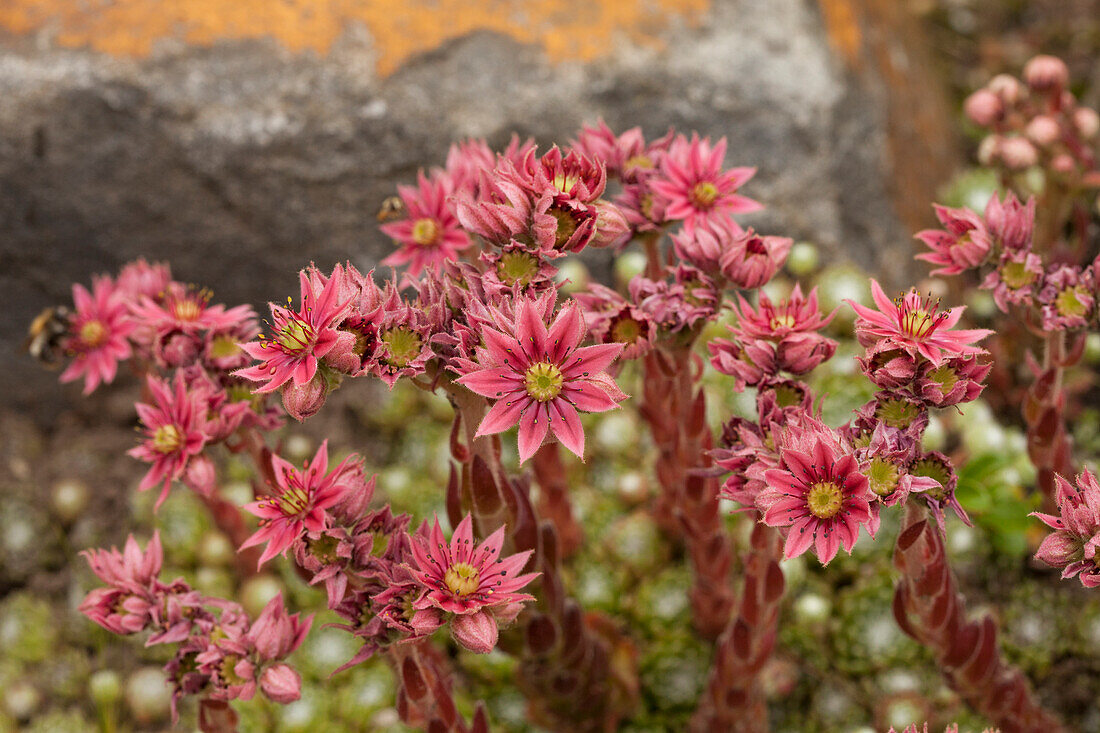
984, 108
1017, 153
1044, 130
1046, 74
1087, 122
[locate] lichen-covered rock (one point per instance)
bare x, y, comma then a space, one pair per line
243, 160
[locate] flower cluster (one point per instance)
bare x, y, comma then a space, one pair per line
919, 361
1035, 122
220, 653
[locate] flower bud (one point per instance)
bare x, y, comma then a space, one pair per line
1063, 163
304, 400
989, 148
984, 108
1007, 88
1044, 130
1017, 153
200, 475
475, 631
281, 683
1087, 122
1046, 74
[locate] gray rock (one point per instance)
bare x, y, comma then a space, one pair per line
243, 162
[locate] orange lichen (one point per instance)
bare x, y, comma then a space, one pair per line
566, 29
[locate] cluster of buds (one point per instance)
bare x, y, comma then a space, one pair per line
220, 654
1036, 121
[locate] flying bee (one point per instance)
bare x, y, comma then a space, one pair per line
392, 209
45, 334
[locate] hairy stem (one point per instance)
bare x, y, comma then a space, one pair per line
734, 700
686, 507
929, 608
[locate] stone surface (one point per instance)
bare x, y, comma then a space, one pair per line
243, 160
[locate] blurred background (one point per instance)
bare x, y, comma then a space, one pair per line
241, 140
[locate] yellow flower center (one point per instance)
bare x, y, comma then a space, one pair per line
567, 226
403, 346
517, 268
626, 331
564, 182
293, 501
824, 499
882, 476
167, 439
186, 310
425, 232
638, 161
543, 381
784, 321
224, 347
1016, 275
704, 194
917, 322
295, 335
93, 334
462, 578
1072, 302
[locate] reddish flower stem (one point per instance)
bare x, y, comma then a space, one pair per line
554, 501
424, 697
929, 608
686, 507
1049, 445
216, 716
734, 699
566, 669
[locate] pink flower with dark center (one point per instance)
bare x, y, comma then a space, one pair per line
98, 331
541, 377
963, 244
301, 337
1016, 280
298, 502
817, 492
175, 427
431, 233
472, 582
1073, 543
695, 187
752, 260
917, 325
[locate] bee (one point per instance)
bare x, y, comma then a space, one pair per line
45, 334
392, 208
